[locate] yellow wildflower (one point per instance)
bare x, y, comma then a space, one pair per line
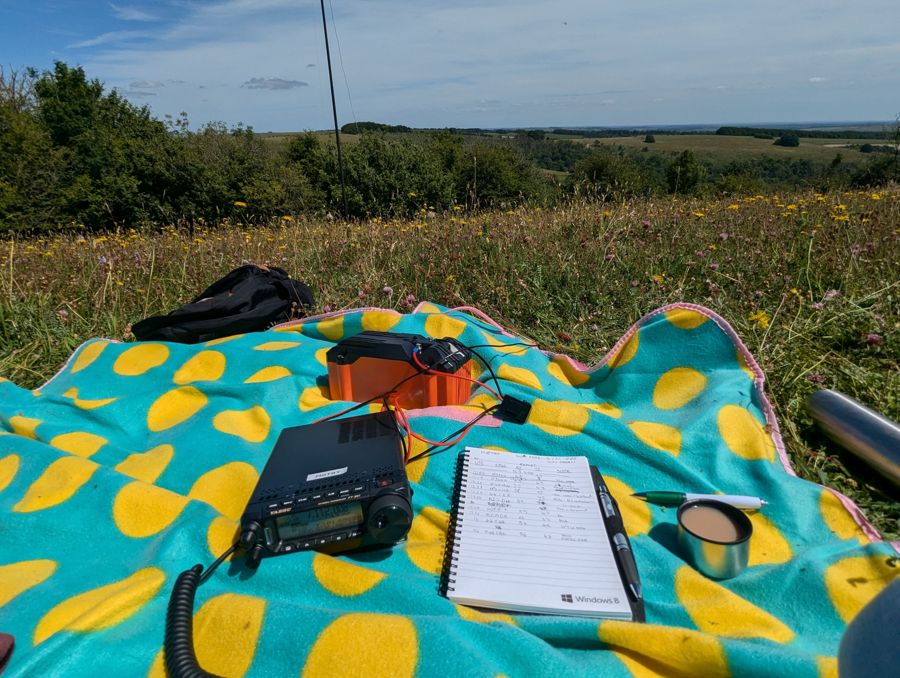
760, 317
240, 203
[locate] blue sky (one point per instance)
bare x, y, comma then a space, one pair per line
486, 63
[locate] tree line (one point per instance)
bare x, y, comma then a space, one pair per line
73, 155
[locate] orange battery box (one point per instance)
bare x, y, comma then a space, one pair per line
369, 364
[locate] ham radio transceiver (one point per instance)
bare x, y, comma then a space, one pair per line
333, 486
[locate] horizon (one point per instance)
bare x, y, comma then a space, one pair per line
490, 65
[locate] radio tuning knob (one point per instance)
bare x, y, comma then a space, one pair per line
390, 516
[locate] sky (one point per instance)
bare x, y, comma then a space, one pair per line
476, 63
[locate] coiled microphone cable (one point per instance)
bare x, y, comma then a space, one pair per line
178, 646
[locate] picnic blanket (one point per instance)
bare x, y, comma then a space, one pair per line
135, 461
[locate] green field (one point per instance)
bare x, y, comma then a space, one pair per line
721, 148
809, 281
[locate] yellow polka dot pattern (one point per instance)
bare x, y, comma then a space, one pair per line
716, 610
175, 407
61, 479
342, 577
425, 542
853, 582
743, 434
9, 465
102, 607
140, 359
16, 578
677, 387
382, 646
252, 425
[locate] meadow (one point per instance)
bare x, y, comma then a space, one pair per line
720, 149
810, 282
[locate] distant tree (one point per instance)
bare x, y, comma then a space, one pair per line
788, 139
866, 148
685, 173
605, 174
649, 139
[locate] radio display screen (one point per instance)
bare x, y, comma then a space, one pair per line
323, 519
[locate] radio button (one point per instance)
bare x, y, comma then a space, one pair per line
316, 497
339, 537
343, 492
303, 499
307, 545
321, 541
359, 488
289, 502
331, 494
272, 507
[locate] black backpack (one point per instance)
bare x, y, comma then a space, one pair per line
249, 299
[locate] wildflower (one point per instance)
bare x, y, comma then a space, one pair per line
734, 207
240, 203
699, 253
645, 222
699, 215
287, 217
815, 378
361, 294
831, 294
610, 256
658, 278
450, 278
327, 308
760, 317
63, 314
102, 259
711, 248
875, 196
723, 236
411, 194
873, 339
714, 267
818, 306
388, 290
595, 328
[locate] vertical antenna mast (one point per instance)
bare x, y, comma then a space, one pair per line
337, 133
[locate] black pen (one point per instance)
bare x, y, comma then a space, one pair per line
628, 564
626, 557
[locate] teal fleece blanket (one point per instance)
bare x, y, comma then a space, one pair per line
135, 461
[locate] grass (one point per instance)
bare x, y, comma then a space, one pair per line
721, 148
809, 281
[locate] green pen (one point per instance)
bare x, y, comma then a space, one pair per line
677, 498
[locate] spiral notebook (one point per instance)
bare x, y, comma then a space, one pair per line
528, 535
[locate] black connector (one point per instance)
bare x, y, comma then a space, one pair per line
513, 409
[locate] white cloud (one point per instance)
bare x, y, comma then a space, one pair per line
273, 83
818, 78
432, 63
132, 14
109, 38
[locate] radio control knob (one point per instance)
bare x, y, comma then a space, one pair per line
390, 516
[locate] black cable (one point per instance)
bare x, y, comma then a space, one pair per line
178, 646
441, 448
393, 388
490, 369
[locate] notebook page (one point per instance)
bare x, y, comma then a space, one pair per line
530, 537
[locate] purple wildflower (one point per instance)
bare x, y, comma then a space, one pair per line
873, 339
818, 306
714, 266
831, 294
723, 236
388, 290
327, 308
815, 378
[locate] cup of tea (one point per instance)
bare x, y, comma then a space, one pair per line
714, 537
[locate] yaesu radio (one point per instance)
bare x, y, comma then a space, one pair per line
332, 486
